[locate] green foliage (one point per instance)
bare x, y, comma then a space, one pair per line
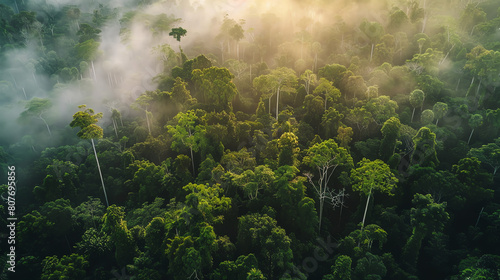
259, 234
424, 152
488, 154
177, 33
373, 175
208, 201
217, 86
67, 267
427, 217
391, 131
288, 147
86, 120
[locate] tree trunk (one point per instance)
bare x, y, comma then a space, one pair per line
412, 114
147, 121
34, 78
114, 126
277, 102
366, 209
269, 106
321, 203
25, 96
472, 82
478, 87
437, 120
470, 136
46, 124
93, 70
238, 50
371, 54
100, 173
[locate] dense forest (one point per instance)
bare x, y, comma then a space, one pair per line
287, 139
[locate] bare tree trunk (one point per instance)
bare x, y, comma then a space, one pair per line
147, 121
470, 136
366, 209
114, 126
321, 203
93, 70
277, 102
371, 54
412, 114
46, 124
100, 173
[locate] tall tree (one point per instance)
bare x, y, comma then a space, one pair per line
310, 79
86, 120
424, 152
329, 92
177, 33
36, 107
475, 121
288, 147
390, 131
427, 117
370, 176
440, 110
416, 100
325, 157
488, 154
280, 79
187, 133
427, 217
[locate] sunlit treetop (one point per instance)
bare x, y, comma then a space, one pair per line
86, 119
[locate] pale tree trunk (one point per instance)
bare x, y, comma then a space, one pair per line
269, 107
364, 215
100, 173
371, 54
114, 126
147, 121
46, 124
277, 102
437, 122
478, 87
93, 70
366, 209
472, 82
412, 114
470, 136
321, 203
238, 50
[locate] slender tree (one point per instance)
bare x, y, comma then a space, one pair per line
440, 110
416, 100
86, 120
36, 107
372, 175
475, 121
325, 157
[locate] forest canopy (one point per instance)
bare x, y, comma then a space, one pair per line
250, 139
